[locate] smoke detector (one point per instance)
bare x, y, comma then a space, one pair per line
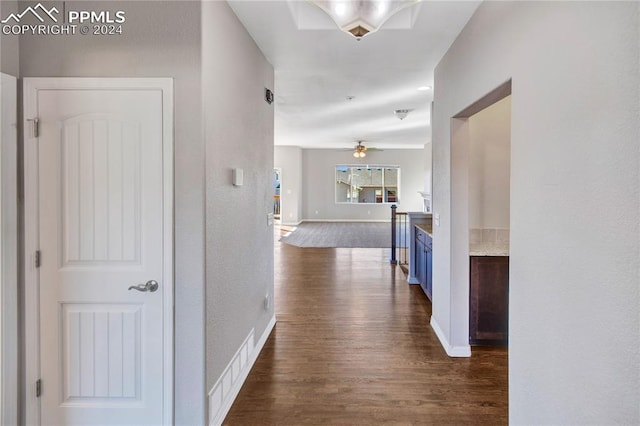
402, 113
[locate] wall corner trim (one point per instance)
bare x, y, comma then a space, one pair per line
226, 389
452, 351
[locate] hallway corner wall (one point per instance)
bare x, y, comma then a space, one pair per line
239, 134
574, 202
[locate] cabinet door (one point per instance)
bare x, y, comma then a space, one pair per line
420, 263
489, 300
423, 262
429, 271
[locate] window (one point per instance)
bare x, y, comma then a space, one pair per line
367, 184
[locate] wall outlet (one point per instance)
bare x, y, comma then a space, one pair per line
267, 302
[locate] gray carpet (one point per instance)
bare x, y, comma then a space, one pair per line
341, 234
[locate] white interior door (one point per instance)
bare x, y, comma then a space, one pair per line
102, 237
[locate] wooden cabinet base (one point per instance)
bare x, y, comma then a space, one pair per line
489, 300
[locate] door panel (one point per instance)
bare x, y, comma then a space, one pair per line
101, 190
101, 231
100, 353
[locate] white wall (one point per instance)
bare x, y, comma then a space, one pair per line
9, 46
575, 202
239, 134
318, 166
9, 300
428, 160
427, 188
161, 39
9, 354
289, 160
490, 166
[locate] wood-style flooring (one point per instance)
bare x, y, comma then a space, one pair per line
353, 346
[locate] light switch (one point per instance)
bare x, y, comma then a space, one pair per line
269, 219
267, 302
436, 218
238, 177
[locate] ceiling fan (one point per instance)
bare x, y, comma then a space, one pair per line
360, 151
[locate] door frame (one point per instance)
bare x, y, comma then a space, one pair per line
31, 86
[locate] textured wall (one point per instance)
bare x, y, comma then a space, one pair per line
575, 202
9, 250
239, 134
9, 45
318, 168
161, 39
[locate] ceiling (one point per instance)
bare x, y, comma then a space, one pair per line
317, 67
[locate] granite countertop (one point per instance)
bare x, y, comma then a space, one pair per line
475, 249
489, 249
426, 228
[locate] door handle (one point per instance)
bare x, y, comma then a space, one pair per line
151, 286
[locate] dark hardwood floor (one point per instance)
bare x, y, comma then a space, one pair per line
353, 345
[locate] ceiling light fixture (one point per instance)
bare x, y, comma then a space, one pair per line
360, 150
424, 88
402, 113
361, 17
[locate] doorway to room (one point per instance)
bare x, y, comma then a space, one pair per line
481, 168
277, 201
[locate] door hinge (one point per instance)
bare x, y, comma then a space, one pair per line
35, 126
38, 258
38, 388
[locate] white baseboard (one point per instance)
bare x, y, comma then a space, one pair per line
292, 223
452, 351
348, 220
224, 392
